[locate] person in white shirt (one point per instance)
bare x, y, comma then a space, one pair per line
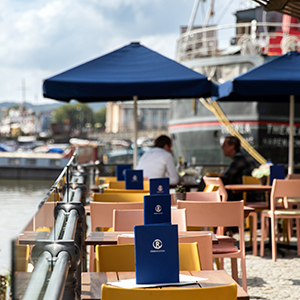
158, 162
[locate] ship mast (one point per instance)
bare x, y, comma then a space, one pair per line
193, 16
210, 13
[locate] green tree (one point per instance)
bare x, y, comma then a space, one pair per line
77, 115
100, 118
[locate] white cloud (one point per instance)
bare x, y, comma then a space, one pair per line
42, 38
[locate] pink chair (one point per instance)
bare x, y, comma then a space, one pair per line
125, 220
285, 189
102, 218
204, 247
217, 181
43, 219
224, 196
215, 214
102, 212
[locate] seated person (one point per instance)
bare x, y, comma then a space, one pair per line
241, 164
158, 162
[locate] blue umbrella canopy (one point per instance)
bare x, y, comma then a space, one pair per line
133, 70
277, 80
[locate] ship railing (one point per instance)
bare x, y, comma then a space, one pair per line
268, 38
54, 239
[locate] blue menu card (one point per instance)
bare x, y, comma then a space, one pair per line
120, 171
159, 186
134, 180
276, 172
156, 253
157, 209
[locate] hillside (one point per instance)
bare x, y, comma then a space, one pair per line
48, 107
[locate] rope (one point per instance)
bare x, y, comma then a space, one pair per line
217, 111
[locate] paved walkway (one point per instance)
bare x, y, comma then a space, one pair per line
270, 280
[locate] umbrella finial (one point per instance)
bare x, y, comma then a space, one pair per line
135, 43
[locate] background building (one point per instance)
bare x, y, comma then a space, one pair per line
152, 115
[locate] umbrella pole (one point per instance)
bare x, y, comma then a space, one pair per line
135, 114
291, 137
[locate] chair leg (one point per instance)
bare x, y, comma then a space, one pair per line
234, 269
273, 235
253, 215
298, 235
221, 263
290, 229
92, 258
244, 274
263, 236
217, 261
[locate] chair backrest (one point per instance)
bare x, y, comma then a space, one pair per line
121, 185
247, 179
211, 188
115, 258
215, 214
293, 176
21, 258
204, 242
282, 188
222, 292
102, 212
120, 258
178, 216
205, 250
121, 197
203, 196
116, 184
189, 257
125, 220
44, 219
217, 181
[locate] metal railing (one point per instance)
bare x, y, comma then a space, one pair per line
248, 38
59, 260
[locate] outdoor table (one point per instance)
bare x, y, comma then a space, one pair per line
30, 237
248, 187
110, 237
91, 282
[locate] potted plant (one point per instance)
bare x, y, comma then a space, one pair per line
262, 173
180, 192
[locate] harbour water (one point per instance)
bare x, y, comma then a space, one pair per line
19, 200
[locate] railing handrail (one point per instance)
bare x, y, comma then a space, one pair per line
61, 251
188, 44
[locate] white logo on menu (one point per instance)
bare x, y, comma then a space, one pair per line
134, 178
158, 208
157, 244
160, 188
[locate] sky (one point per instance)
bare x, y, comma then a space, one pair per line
41, 38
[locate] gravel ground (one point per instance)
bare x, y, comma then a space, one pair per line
271, 280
